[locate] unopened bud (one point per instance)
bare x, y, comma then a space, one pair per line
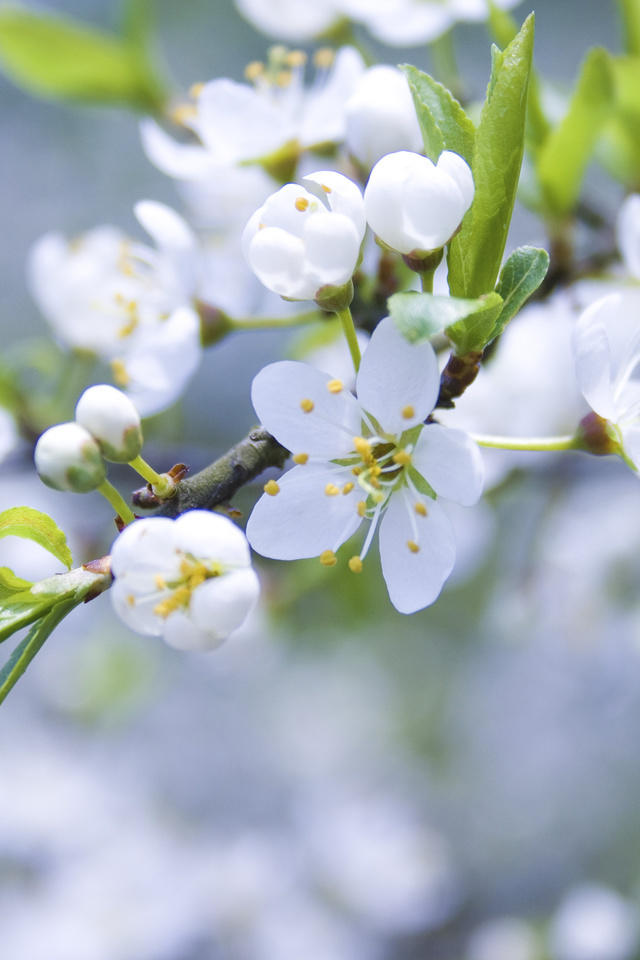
112, 419
68, 458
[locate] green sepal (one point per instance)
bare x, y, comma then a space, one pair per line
421, 484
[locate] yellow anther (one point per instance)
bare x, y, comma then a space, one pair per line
348, 487
253, 70
131, 600
355, 565
196, 578
408, 412
283, 78
375, 470
120, 374
301, 204
300, 458
306, 405
375, 483
271, 487
296, 58
413, 546
402, 458
323, 58
160, 582
196, 89
179, 598
363, 447
183, 113
331, 490
324, 187
335, 386
261, 226
328, 558
127, 329
362, 508
356, 471
420, 509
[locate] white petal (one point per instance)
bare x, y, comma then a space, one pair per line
383, 200
142, 551
323, 119
326, 431
459, 170
398, 381
414, 580
136, 610
433, 208
278, 260
209, 535
166, 227
450, 461
289, 19
631, 443
222, 604
415, 23
628, 234
182, 160
342, 195
236, 123
302, 520
332, 248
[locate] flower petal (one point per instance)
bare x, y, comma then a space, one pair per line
211, 536
332, 247
137, 610
182, 160
628, 234
415, 578
302, 520
602, 339
222, 604
236, 123
450, 461
398, 381
329, 427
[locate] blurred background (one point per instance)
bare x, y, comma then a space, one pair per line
337, 781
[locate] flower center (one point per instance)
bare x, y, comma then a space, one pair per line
192, 573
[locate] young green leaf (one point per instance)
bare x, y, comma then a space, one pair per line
563, 160
630, 15
11, 584
476, 252
472, 333
444, 124
418, 316
31, 645
520, 276
55, 56
34, 525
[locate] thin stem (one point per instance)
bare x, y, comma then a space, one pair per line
426, 281
146, 472
268, 323
350, 333
535, 444
120, 506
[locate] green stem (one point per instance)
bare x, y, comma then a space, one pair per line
535, 444
268, 323
146, 472
426, 281
349, 330
120, 506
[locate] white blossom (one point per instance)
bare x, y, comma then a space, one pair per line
188, 580
381, 117
112, 420
628, 234
8, 434
307, 236
365, 459
292, 20
68, 458
594, 923
414, 205
407, 23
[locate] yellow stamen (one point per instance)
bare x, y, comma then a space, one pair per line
335, 386
413, 546
184, 112
131, 600
402, 458
362, 508
356, 471
179, 598
306, 405
355, 565
408, 412
271, 487
120, 374
253, 70
331, 490
328, 558
323, 57
363, 447
296, 58
283, 78
160, 582
348, 487
300, 458
325, 188
195, 90
420, 509
301, 204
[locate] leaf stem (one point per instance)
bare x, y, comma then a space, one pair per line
534, 444
120, 506
349, 330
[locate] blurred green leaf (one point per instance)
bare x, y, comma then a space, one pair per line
35, 525
443, 122
563, 160
55, 56
520, 276
10, 583
418, 316
472, 333
475, 253
30, 646
630, 14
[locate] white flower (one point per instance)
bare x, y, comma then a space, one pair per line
594, 923
628, 234
68, 458
306, 237
414, 205
8, 434
236, 122
112, 420
117, 298
370, 458
188, 580
381, 117
607, 356
406, 23
292, 20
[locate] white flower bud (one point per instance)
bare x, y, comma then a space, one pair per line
415, 205
68, 458
381, 117
307, 237
112, 419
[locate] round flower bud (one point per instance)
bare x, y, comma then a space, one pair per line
415, 205
381, 117
68, 458
112, 419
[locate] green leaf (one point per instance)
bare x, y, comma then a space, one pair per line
11, 584
563, 160
472, 333
30, 646
418, 316
475, 253
55, 56
33, 525
502, 25
630, 15
520, 276
443, 122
